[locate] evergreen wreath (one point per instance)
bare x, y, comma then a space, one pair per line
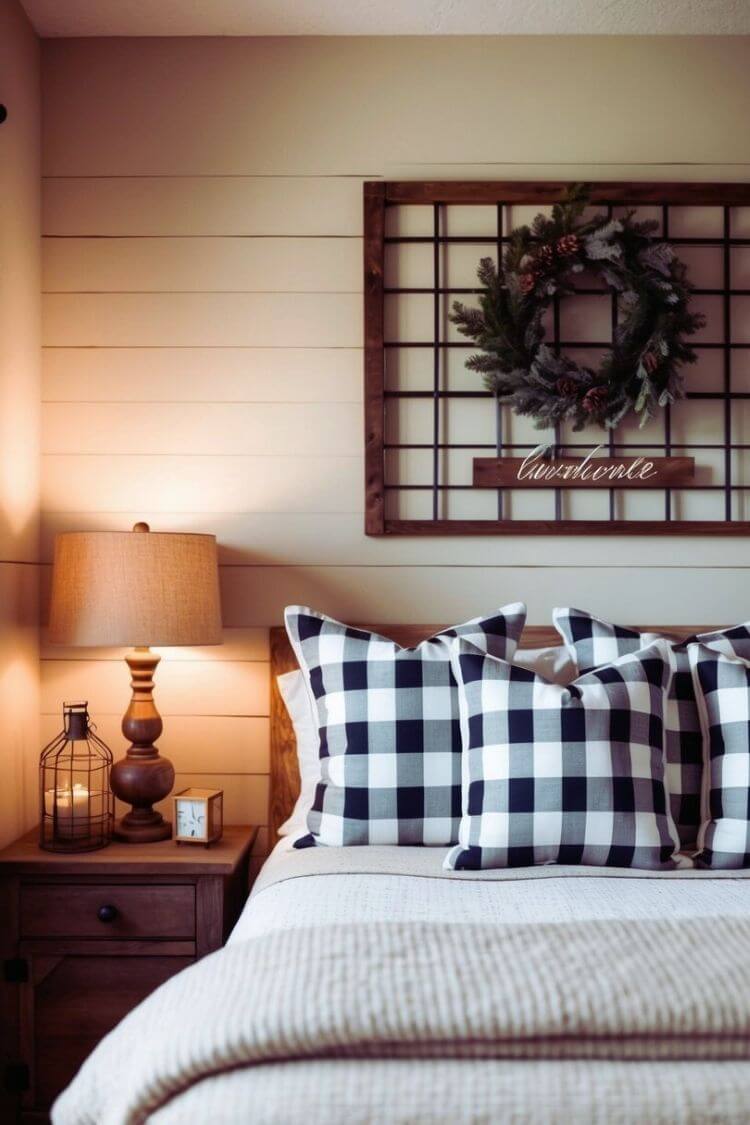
640, 372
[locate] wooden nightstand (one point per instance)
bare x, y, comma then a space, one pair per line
84, 938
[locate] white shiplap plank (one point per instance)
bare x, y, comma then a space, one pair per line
202, 374
652, 170
202, 206
397, 593
347, 105
173, 265
194, 744
238, 644
181, 688
219, 484
203, 428
310, 539
19, 603
317, 320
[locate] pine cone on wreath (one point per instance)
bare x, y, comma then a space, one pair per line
595, 400
566, 387
545, 255
568, 245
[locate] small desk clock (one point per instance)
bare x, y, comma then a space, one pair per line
198, 816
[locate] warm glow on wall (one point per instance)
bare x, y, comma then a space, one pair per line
19, 463
19, 704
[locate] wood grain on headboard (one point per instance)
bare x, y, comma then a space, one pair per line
285, 780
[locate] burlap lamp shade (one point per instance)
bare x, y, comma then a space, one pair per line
137, 588
126, 588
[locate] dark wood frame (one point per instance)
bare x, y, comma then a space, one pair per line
285, 779
378, 195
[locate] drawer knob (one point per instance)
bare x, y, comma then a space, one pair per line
107, 913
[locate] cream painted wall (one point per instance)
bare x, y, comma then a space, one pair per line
19, 419
202, 326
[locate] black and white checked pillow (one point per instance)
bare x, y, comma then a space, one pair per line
592, 642
722, 689
390, 740
558, 774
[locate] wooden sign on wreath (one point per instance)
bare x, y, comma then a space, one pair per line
497, 398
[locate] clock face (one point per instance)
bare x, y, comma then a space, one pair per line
191, 818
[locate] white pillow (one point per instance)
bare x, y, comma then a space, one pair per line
293, 689
553, 664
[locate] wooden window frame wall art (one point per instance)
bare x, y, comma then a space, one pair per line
670, 470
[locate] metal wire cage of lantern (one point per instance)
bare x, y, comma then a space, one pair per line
77, 804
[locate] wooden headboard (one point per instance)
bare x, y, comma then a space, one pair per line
284, 772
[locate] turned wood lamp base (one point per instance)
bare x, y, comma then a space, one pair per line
142, 777
128, 832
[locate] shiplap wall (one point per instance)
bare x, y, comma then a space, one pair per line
19, 420
203, 327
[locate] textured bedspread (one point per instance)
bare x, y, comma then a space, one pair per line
602, 992
335, 886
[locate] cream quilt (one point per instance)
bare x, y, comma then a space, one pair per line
612, 1020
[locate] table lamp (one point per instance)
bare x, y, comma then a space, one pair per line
135, 589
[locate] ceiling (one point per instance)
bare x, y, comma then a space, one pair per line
389, 17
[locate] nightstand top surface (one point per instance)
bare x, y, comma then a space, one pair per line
221, 858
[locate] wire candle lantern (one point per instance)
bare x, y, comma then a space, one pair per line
77, 804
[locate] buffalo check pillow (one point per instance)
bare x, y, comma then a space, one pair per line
557, 774
390, 740
722, 689
592, 642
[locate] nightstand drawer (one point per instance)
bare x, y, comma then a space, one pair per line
103, 910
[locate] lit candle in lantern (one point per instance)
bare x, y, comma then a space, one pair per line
70, 810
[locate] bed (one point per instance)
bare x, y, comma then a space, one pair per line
368, 984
